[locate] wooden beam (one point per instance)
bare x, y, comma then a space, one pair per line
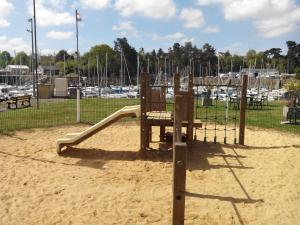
176, 83
144, 128
163, 108
179, 182
243, 106
178, 112
179, 165
191, 82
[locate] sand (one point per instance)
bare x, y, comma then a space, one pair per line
103, 180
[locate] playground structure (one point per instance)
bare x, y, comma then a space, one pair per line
153, 112
76, 138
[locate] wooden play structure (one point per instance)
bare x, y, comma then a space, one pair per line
155, 111
72, 139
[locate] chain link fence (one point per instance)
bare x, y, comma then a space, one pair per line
94, 106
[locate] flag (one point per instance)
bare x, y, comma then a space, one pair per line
78, 17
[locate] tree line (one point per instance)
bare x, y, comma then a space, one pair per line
202, 61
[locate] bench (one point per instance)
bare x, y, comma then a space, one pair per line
255, 102
235, 101
24, 100
293, 114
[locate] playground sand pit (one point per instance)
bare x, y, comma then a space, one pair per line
103, 180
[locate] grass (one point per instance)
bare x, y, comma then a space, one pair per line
269, 117
63, 112
60, 112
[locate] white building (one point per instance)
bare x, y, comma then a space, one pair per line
18, 69
261, 72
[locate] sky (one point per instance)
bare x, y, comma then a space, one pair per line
234, 25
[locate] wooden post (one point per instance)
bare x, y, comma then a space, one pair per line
190, 112
243, 106
176, 83
162, 107
191, 82
144, 127
179, 165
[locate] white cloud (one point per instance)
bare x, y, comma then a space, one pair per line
59, 35
59, 4
125, 27
50, 16
4, 23
95, 4
155, 9
277, 26
188, 39
234, 48
211, 29
47, 51
193, 18
272, 18
14, 44
175, 37
209, 2
6, 8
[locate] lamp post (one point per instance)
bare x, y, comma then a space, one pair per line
35, 58
32, 57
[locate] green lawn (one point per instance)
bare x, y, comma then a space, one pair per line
63, 112
60, 112
269, 117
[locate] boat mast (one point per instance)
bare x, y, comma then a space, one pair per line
89, 71
138, 71
121, 74
148, 65
165, 70
106, 69
64, 64
99, 86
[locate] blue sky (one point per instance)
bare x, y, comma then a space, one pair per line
235, 25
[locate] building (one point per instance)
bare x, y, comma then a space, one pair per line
48, 70
261, 72
17, 69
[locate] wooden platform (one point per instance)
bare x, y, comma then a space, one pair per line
166, 118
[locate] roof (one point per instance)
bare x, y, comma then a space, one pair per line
23, 67
52, 67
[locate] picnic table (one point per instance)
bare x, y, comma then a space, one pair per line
255, 101
24, 100
293, 114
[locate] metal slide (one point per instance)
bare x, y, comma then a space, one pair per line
76, 138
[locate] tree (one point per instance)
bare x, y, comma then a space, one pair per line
21, 59
208, 56
70, 66
292, 56
5, 59
130, 54
160, 53
61, 55
88, 62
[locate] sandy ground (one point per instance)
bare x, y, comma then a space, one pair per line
103, 180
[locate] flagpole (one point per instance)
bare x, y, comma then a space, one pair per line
77, 55
78, 86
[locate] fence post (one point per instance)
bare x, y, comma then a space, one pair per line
179, 165
243, 108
